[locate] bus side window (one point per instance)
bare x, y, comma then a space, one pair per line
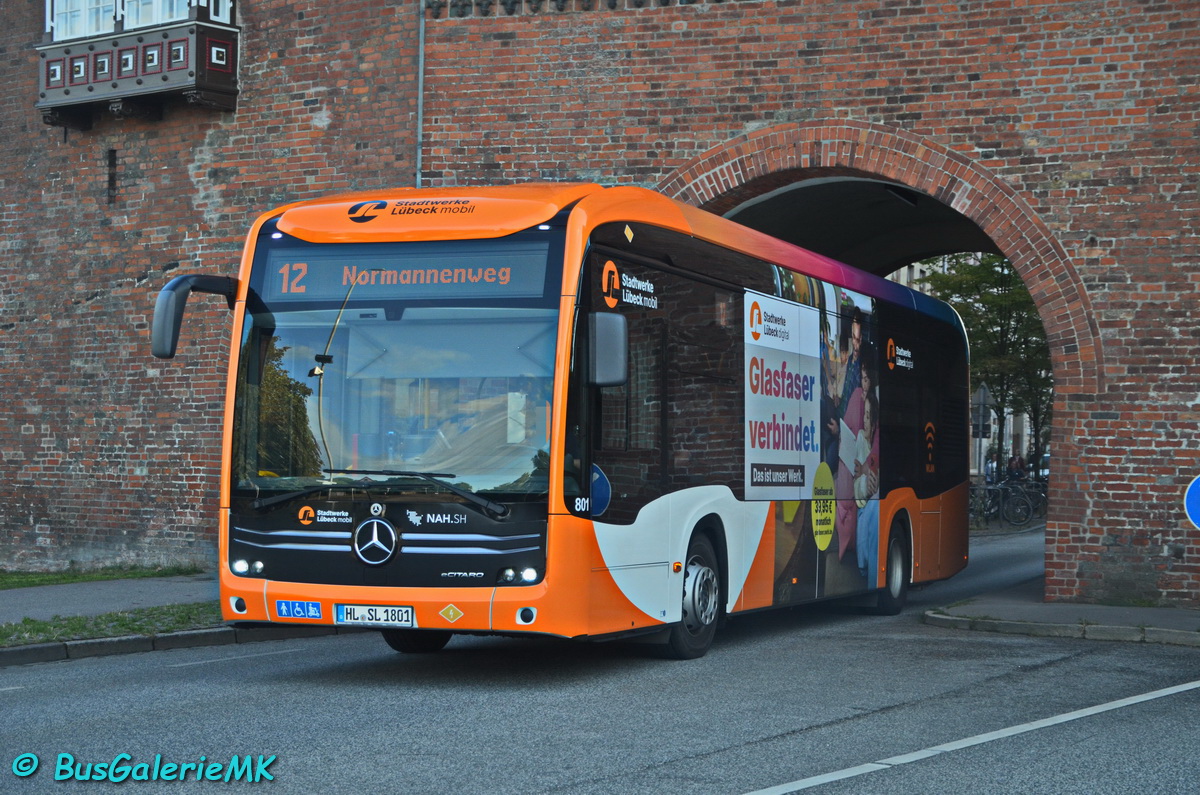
629, 449
706, 441
626, 421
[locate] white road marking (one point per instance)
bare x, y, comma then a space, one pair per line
969, 742
230, 659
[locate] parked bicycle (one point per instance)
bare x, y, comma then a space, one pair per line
1035, 490
1005, 500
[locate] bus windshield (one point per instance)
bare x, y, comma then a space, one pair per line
379, 365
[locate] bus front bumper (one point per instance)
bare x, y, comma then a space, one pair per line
491, 609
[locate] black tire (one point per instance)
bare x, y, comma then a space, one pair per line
416, 641
691, 637
1037, 495
891, 600
1017, 509
991, 506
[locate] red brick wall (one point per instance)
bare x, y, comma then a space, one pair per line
107, 454
1067, 131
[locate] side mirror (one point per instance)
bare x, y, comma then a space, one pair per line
168, 309
609, 353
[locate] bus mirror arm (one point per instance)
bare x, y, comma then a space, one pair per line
609, 353
168, 309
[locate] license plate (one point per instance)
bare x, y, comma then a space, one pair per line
375, 615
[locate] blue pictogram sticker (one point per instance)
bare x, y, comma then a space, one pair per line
287, 608
1191, 502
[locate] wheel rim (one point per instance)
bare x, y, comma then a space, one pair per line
699, 595
1018, 510
895, 571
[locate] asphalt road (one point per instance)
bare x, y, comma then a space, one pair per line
861, 703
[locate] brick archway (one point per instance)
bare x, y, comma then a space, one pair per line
775, 157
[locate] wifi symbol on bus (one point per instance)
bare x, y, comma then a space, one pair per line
930, 441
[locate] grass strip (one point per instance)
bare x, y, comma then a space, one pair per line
30, 579
142, 621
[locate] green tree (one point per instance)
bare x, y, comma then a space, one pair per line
277, 438
1009, 351
285, 442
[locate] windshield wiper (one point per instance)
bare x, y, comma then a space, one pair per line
267, 502
491, 507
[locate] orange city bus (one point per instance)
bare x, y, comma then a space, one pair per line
572, 411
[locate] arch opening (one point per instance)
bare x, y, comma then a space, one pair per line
875, 225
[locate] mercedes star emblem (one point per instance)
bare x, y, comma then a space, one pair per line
375, 542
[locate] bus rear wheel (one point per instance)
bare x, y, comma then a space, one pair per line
892, 598
416, 641
692, 636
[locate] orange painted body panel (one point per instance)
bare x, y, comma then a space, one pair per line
953, 551
407, 214
759, 590
939, 548
897, 503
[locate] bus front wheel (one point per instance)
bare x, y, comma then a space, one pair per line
894, 595
416, 641
692, 636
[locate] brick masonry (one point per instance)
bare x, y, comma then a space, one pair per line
1067, 131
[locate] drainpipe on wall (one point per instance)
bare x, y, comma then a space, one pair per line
420, 133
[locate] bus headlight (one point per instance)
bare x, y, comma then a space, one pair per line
519, 577
240, 567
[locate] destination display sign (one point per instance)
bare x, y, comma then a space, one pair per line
409, 271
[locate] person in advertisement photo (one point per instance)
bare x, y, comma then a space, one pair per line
811, 561
851, 379
866, 483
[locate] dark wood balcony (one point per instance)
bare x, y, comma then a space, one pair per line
134, 73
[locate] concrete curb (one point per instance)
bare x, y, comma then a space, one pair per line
1172, 637
218, 636
102, 647
132, 644
38, 652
